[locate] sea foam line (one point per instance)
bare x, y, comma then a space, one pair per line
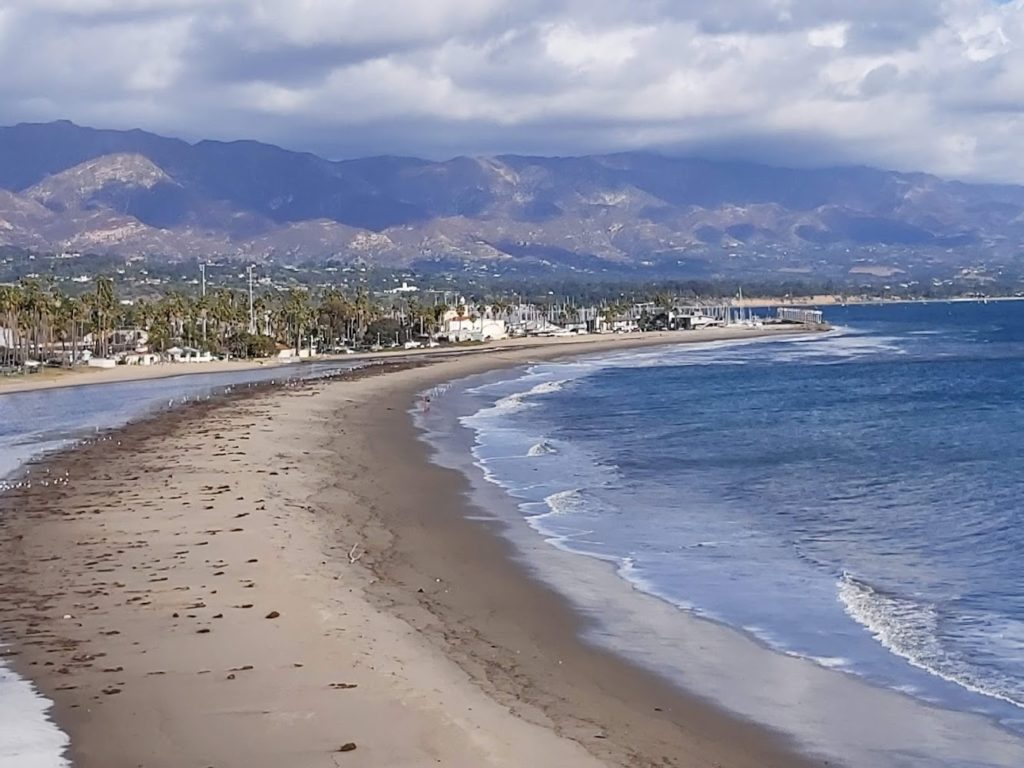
910, 630
28, 738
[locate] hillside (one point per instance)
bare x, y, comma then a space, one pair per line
68, 187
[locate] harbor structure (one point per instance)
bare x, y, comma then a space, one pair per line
799, 315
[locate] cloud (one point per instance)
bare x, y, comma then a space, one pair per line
936, 85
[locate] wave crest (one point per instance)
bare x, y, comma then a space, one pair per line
913, 631
565, 502
543, 448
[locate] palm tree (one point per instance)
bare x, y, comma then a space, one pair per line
224, 311
420, 317
61, 323
261, 311
75, 312
10, 307
439, 311
298, 314
175, 310
336, 313
32, 312
365, 311
663, 300
104, 310
500, 308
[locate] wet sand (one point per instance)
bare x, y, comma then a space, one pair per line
54, 378
283, 578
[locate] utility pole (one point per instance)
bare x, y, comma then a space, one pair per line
252, 315
202, 272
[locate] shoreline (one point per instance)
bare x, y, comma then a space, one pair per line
84, 377
61, 378
592, 694
404, 563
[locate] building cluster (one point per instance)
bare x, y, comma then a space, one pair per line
40, 326
488, 322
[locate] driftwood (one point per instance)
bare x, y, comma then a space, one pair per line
355, 553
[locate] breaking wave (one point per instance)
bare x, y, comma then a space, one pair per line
519, 400
543, 448
565, 502
914, 631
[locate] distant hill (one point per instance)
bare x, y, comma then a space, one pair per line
130, 192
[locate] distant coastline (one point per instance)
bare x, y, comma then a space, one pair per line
59, 378
832, 300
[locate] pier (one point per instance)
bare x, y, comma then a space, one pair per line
803, 316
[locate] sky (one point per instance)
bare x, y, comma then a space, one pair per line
932, 85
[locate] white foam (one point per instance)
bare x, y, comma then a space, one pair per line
830, 662
506, 405
548, 387
543, 448
627, 569
564, 502
520, 400
840, 347
28, 738
910, 629
513, 403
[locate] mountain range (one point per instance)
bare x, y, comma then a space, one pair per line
71, 188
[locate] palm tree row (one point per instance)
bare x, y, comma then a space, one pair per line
40, 322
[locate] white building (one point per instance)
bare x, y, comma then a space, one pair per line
404, 288
621, 325
188, 355
464, 324
304, 353
129, 339
141, 358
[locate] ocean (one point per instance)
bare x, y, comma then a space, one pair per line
848, 500
35, 423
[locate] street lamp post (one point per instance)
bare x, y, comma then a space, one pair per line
252, 314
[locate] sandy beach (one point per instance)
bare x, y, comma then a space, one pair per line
53, 378
283, 579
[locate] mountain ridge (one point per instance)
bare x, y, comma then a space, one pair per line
134, 192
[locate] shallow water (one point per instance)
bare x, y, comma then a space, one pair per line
35, 423
850, 500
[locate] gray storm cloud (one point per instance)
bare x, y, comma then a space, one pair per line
916, 84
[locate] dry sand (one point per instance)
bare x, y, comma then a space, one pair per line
272, 579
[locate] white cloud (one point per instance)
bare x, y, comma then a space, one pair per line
314, 22
592, 51
930, 84
829, 36
87, 8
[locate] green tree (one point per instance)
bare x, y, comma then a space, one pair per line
104, 309
298, 315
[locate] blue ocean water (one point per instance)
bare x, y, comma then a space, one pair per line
854, 498
34, 422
